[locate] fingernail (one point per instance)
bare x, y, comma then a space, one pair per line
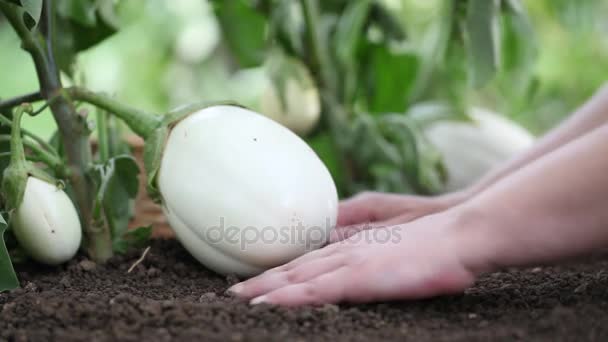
258, 300
236, 289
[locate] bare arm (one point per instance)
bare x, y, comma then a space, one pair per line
591, 115
369, 210
556, 207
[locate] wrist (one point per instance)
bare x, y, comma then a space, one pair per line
475, 238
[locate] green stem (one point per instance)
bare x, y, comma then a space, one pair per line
6, 121
142, 123
47, 158
102, 136
17, 150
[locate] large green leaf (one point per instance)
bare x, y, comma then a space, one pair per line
391, 78
117, 185
244, 30
8, 278
482, 40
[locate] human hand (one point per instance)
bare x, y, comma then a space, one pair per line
429, 257
375, 209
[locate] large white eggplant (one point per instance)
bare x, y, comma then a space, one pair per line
242, 192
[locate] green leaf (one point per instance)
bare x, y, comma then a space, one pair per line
133, 238
287, 27
519, 45
348, 37
244, 31
80, 25
117, 185
8, 277
421, 161
82, 12
33, 10
390, 79
349, 30
325, 148
482, 40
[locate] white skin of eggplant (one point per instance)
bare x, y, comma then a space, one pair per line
547, 205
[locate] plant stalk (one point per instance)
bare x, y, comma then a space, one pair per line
102, 136
142, 123
15, 101
72, 128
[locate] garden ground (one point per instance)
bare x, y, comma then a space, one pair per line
170, 296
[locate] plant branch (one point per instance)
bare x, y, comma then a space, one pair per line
142, 123
102, 136
15, 101
72, 127
47, 16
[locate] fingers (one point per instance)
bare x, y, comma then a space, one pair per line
370, 207
330, 287
343, 233
271, 281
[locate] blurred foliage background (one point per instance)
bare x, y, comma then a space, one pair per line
171, 52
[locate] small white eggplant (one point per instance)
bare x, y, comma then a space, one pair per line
291, 97
46, 223
42, 216
471, 149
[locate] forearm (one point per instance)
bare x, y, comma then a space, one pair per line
554, 208
591, 115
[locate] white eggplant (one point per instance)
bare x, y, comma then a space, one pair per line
242, 192
302, 108
46, 223
42, 216
290, 97
470, 150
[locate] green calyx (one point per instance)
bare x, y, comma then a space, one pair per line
281, 68
153, 128
15, 175
156, 141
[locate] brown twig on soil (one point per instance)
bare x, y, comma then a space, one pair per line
139, 261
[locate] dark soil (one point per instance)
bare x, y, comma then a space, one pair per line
169, 296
